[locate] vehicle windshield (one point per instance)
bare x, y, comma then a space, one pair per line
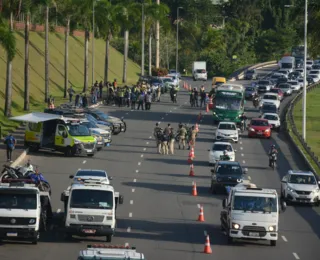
221, 147
101, 115
91, 119
78, 130
271, 117
309, 62
249, 89
228, 103
263, 82
200, 71
287, 65
227, 127
90, 124
274, 91
156, 81
10, 200
229, 169
275, 76
167, 80
284, 86
219, 83
302, 179
313, 76
254, 204
293, 83
259, 123
91, 173
91, 199
295, 73
250, 71
271, 97
283, 71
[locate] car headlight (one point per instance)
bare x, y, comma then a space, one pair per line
316, 191
267, 130
239, 180
76, 141
219, 133
235, 226
272, 228
251, 129
290, 189
32, 221
214, 113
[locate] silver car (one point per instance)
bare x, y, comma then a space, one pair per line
295, 85
286, 89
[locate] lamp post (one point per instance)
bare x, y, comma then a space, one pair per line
177, 43
304, 99
93, 28
142, 37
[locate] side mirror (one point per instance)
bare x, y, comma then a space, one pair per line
120, 199
283, 206
224, 203
62, 197
245, 170
71, 176
212, 170
110, 178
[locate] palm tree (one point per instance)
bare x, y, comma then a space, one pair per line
8, 42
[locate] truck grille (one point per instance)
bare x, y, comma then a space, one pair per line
88, 146
303, 192
248, 229
15, 221
105, 136
91, 218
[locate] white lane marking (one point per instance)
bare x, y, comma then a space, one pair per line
129, 229
141, 155
241, 148
133, 190
137, 171
144, 149
130, 215
170, 111
244, 161
139, 163
175, 108
205, 233
84, 161
242, 154
147, 142
134, 180
150, 137
58, 210
296, 256
240, 142
131, 202
284, 238
199, 206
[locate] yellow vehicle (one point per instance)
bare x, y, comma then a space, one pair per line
57, 133
217, 81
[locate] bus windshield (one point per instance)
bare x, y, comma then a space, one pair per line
78, 130
226, 103
255, 204
91, 199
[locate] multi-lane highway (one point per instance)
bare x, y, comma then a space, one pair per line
159, 214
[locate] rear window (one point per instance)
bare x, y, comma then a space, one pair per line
249, 89
259, 123
91, 173
271, 97
284, 86
263, 82
274, 91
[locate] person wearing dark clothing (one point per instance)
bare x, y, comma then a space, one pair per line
202, 97
76, 101
96, 84
71, 93
141, 99
84, 101
192, 99
100, 89
148, 101
10, 143
196, 97
133, 100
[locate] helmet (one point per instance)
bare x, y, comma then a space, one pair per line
157, 124
225, 152
273, 146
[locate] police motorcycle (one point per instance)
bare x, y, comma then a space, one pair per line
273, 160
256, 101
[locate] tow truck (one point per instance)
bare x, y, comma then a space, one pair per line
109, 252
24, 210
251, 213
90, 208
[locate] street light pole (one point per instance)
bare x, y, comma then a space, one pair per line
142, 39
93, 20
177, 43
304, 100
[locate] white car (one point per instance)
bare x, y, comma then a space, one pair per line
300, 80
295, 85
271, 98
284, 72
227, 131
85, 174
309, 64
273, 120
314, 72
200, 75
217, 150
316, 77
174, 78
174, 72
302, 187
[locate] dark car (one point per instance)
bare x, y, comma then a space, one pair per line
250, 92
264, 85
316, 67
250, 74
269, 108
294, 75
311, 80
281, 81
226, 173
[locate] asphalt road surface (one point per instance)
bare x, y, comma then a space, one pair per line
159, 214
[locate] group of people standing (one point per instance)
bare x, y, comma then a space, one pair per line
199, 98
165, 138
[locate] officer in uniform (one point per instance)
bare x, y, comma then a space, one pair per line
193, 135
182, 136
171, 141
164, 143
157, 133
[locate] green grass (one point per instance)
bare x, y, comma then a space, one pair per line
313, 122
56, 52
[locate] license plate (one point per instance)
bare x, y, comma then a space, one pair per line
303, 196
254, 234
12, 234
227, 119
89, 231
259, 133
100, 142
89, 151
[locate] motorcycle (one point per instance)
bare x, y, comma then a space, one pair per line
224, 158
9, 172
242, 126
273, 160
256, 102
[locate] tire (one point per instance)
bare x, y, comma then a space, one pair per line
68, 152
99, 149
273, 242
125, 127
109, 238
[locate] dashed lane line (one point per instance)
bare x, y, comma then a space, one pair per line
133, 190
137, 171
240, 142
141, 155
147, 143
130, 215
144, 149
244, 162
242, 154
284, 238
131, 202
150, 137
84, 161
296, 256
134, 180
241, 148
129, 229
139, 163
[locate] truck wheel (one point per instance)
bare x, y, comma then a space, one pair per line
109, 238
35, 242
273, 242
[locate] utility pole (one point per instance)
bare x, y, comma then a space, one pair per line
304, 100
142, 38
158, 41
177, 41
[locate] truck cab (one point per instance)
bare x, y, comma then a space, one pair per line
90, 208
106, 252
251, 213
24, 210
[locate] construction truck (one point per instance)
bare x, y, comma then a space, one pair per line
24, 210
251, 213
90, 208
106, 252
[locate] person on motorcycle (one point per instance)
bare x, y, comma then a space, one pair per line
243, 119
225, 156
29, 166
255, 100
37, 177
272, 151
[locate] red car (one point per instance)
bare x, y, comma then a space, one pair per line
278, 91
259, 127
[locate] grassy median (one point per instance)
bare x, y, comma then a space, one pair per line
56, 52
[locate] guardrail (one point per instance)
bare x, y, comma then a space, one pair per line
290, 120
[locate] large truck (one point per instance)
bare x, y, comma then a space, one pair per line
287, 63
110, 252
90, 208
199, 71
24, 210
251, 213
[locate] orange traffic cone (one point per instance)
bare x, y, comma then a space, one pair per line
191, 152
191, 173
207, 109
194, 190
201, 216
207, 246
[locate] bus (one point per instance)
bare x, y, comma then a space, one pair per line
228, 103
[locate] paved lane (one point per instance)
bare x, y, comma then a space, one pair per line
159, 214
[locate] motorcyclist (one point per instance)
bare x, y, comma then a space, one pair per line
225, 156
29, 167
243, 119
255, 100
271, 152
173, 94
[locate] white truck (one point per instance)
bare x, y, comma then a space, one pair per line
90, 208
106, 252
251, 213
199, 71
24, 210
288, 63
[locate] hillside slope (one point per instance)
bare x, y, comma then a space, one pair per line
56, 52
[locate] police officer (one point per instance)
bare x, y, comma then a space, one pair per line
164, 143
182, 132
171, 141
10, 143
167, 130
157, 135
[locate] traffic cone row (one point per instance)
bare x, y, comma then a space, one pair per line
191, 173
201, 215
194, 190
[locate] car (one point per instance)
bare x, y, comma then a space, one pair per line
270, 98
277, 91
226, 174
311, 80
173, 72
86, 174
301, 70
250, 92
316, 67
300, 80
217, 150
227, 131
250, 75
168, 83
264, 85
295, 85
269, 108
294, 75
286, 89
174, 78
309, 64
281, 80
273, 119
200, 74
301, 187
156, 83
284, 72
314, 72
274, 77
315, 77
259, 127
